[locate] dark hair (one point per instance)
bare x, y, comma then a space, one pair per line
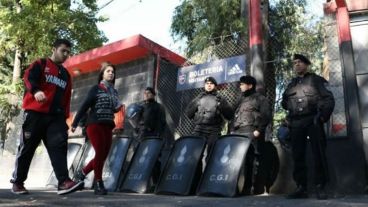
104, 66
151, 90
59, 42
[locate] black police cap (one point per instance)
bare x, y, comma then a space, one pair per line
248, 80
211, 79
302, 58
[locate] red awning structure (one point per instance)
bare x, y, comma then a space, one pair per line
119, 52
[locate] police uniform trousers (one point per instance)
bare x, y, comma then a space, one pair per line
301, 131
254, 167
211, 134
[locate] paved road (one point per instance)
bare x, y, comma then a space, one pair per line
42, 197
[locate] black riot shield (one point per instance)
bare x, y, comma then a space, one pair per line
114, 163
222, 172
73, 149
87, 155
138, 176
178, 174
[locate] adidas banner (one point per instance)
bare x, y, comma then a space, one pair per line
224, 71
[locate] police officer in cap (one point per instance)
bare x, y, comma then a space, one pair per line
152, 123
207, 111
252, 116
309, 105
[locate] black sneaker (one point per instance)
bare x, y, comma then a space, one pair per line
80, 176
100, 188
69, 186
321, 193
300, 192
19, 189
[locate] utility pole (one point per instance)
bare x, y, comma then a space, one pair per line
256, 43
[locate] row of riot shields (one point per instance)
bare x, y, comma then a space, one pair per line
178, 176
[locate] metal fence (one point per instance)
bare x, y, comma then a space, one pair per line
277, 68
176, 102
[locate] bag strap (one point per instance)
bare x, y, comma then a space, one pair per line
43, 62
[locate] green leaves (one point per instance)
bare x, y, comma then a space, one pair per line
30, 27
39, 23
200, 22
292, 30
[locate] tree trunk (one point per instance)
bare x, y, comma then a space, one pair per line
17, 66
17, 58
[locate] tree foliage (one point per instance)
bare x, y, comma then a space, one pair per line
40, 22
293, 31
202, 23
29, 27
290, 30
9, 105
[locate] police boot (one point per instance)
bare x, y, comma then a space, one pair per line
300, 192
246, 191
321, 192
100, 188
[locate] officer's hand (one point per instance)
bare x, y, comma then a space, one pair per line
118, 130
256, 133
40, 96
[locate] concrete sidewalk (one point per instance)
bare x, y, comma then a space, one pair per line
42, 197
39, 172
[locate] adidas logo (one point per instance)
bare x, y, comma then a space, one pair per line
235, 70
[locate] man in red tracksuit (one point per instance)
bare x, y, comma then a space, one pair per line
46, 105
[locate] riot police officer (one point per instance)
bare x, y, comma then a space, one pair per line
150, 121
207, 111
309, 105
153, 120
252, 116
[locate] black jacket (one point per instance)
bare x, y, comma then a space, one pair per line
209, 109
308, 96
100, 105
253, 111
153, 120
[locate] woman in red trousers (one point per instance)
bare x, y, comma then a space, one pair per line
101, 103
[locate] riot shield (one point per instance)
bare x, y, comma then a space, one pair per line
114, 163
87, 155
73, 149
222, 172
141, 167
178, 174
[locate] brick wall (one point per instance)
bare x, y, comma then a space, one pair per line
131, 79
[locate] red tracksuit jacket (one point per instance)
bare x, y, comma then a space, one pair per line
54, 80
